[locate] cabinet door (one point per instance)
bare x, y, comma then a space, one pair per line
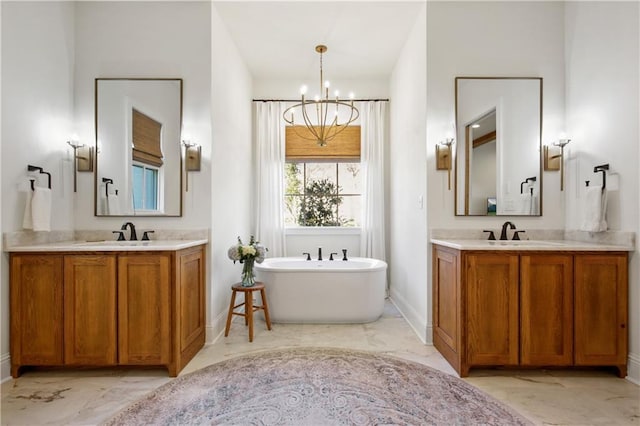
36, 310
601, 309
446, 305
191, 298
144, 292
546, 309
90, 309
491, 288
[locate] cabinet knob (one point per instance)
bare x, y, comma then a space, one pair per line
623, 325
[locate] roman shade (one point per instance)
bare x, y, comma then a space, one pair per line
146, 139
345, 146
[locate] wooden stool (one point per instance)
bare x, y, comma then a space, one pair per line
249, 307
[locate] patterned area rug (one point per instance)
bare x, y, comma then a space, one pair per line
317, 387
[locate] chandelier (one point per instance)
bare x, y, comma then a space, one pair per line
321, 115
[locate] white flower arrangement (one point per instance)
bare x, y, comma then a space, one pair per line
241, 252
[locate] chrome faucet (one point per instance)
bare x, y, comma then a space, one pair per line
319, 253
132, 236
503, 234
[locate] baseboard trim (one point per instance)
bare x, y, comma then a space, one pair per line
410, 315
633, 369
216, 330
5, 367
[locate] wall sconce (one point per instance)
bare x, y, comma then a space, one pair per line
83, 159
192, 159
443, 158
554, 157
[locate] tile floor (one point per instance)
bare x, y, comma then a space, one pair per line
567, 397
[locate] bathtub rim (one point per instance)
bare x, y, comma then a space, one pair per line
375, 265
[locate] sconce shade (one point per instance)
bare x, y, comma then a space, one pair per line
192, 158
552, 158
443, 157
84, 158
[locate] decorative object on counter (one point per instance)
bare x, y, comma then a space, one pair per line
443, 158
595, 203
555, 161
247, 254
319, 125
37, 210
192, 159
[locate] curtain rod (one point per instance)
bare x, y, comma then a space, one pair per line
298, 100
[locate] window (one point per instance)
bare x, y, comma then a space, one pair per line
145, 187
322, 183
322, 194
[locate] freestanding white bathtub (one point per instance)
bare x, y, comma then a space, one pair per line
311, 291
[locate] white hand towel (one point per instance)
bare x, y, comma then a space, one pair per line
525, 203
27, 220
595, 208
41, 209
113, 204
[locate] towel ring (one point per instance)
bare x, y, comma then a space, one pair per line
107, 181
602, 168
31, 168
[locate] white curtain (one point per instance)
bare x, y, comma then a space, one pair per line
373, 122
269, 176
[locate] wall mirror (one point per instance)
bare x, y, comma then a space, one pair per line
498, 143
138, 161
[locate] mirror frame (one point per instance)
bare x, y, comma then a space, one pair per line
96, 187
540, 168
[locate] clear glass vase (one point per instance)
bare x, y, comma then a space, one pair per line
248, 279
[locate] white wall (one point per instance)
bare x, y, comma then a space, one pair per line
231, 177
500, 39
602, 97
504, 39
407, 182
147, 39
37, 116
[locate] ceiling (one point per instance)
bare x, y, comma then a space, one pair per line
277, 39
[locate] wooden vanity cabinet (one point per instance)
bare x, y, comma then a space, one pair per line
144, 314
491, 307
90, 327
498, 308
546, 309
104, 309
36, 311
601, 310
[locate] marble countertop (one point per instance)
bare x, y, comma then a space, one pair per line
527, 245
92, 246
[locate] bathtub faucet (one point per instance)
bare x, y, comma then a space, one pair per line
308, 255
319, 253
331, 256
344, 254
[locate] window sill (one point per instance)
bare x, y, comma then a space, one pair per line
322, 230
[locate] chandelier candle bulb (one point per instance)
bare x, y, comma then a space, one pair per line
323, 127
